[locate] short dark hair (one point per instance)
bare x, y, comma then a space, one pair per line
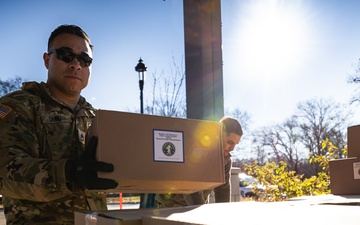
231, 125
68, 29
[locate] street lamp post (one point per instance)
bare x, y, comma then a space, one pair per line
147, 200
141, 69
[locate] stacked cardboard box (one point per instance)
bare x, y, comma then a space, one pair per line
345, 173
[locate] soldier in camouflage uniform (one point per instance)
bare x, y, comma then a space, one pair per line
232, 133
46, 173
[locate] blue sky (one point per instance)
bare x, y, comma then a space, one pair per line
275, 53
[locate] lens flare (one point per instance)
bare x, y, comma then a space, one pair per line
207, 135
196, 155
205, 141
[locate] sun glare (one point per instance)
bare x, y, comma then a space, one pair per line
272, 39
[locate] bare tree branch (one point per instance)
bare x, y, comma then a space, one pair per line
10, 85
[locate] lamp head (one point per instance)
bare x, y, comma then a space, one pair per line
140, 67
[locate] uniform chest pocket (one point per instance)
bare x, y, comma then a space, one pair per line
58, 135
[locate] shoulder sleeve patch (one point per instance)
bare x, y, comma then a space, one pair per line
4, 111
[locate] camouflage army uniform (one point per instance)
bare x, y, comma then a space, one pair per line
222, 193
38, 134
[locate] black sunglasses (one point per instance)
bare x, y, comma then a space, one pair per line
67, 55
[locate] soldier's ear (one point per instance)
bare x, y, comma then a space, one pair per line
46, 58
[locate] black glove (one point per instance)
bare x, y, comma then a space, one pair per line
83, 170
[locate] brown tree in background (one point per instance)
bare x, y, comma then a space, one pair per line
293, 141
280, 143
355, 79
321, 119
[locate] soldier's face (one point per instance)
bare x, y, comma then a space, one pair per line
229, 142
69, 78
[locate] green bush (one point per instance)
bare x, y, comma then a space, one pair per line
281, 184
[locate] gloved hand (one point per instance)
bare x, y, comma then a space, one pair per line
83, 170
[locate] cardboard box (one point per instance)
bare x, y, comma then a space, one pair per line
154, 154
345, 176
353, 141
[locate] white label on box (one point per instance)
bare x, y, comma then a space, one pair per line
356, 166
168, 146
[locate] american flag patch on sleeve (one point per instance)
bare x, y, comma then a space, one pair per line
4, 111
